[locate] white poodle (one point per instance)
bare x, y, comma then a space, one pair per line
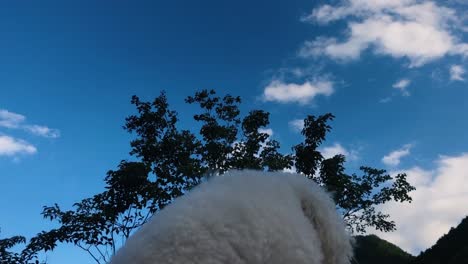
244, 217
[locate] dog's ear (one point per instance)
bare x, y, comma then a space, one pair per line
319, 209
307, 210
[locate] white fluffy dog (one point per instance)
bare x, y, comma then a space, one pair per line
244, 217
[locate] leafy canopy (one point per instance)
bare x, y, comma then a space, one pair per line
173, 160
7, 255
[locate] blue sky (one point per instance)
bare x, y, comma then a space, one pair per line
393, 73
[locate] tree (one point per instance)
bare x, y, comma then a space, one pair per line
6, 244
26, 256
98, 225
172, 161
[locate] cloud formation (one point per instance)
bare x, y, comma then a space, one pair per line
394, 157
267, 131
457, 72
335, 149
417, 30
402, 85
296, 124
10, 146
439, 203
385, 100
17, 121
279, 91
43, 131
10, 120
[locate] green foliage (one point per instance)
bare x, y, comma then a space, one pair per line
168, 152
371, 249
173, 160
452, 248
308, 157
6, 244
98, 224
26, 256
358, 196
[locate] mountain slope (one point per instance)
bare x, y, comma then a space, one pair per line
371, 249
452, 248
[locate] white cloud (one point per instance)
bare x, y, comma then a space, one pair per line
17, 121
394, 157
335, 149
9, 119
385, 100
402, 85
296, 124
268, 131
10, 146
439, 203
327, 13
416, 30
290, 170
456, 73
331, 151
43, 131
302, 93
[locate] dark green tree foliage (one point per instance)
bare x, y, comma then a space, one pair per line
6, 256
99, 224
452, 248
220, 121
172, 161
308, 157
26, 256
356, 196
170, 154
371, 249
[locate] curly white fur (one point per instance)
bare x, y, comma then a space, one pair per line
244, 217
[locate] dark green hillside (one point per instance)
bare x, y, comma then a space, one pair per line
452, 248
373, 250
